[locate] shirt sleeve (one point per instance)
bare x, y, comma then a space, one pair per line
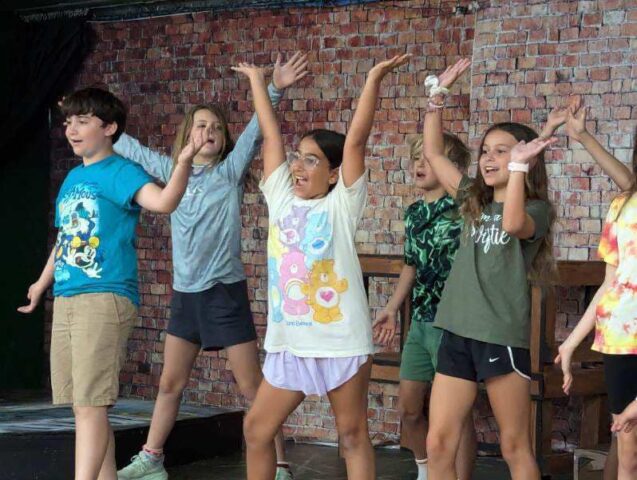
409, 245
128, 180
352, 198
608, 249
277, 189
236, 164
538, 210
156, 164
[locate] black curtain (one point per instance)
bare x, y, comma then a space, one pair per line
37, 60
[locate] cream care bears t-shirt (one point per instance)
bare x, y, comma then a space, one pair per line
317, 305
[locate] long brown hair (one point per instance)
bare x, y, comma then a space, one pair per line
536, 188
183, 132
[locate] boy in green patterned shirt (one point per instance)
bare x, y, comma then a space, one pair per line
432, 234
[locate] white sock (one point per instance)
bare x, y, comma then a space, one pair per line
422, 469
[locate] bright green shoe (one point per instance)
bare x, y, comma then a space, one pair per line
283, 474
141, 468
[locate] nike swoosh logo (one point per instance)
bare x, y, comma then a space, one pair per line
491, 360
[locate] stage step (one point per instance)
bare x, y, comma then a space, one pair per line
37, 438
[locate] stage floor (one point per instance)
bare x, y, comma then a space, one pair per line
316, 462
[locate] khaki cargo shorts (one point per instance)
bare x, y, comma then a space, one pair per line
88, 347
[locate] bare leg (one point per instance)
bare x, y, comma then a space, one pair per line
179, 357
92, 433
611, 465
451, 402
269, 410
244, 362
349, 402
510, 399
466, 456
109, 469
411, 399
627, 454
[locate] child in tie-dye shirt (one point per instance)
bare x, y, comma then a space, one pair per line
613, 310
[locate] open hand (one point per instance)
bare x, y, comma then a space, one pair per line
383, 68
192, 148
559, 115
384, 327
626, 420
34, 294
576, 124
290, 72
527, 152
250, 70
563, 359
453, 72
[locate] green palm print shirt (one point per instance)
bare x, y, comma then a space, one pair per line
432, 236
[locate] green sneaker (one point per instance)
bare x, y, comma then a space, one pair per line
142, 468
283, 473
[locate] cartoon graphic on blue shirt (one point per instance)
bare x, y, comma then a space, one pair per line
78, 240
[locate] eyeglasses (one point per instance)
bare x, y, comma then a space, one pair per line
309, 161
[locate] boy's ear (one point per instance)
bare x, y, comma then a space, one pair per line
110, 128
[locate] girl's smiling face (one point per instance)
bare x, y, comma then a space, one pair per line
312, 175
495, 157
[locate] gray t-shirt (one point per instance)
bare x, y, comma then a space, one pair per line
206, 226
486, 297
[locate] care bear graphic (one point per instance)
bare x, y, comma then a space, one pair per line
292, 276
292, 226
276, 299
317, 239
323, 292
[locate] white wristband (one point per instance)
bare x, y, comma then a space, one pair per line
518, 167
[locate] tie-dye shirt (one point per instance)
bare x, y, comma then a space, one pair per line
317, 305
616, 325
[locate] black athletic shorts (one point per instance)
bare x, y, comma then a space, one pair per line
215, 318
620, 372
477, 361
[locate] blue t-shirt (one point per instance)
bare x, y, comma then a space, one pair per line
96, 217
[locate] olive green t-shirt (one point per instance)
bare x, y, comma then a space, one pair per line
486, 296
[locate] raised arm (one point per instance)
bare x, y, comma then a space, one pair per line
156, 164
353, 165
284, 76
37, 290
515, 221
447, 173
273, 151
583, 328
616, 170
165, 200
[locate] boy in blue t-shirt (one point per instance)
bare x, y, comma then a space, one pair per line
93, 266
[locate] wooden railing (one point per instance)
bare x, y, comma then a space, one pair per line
546, 386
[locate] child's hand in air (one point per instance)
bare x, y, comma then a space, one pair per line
453, 72
563, 359
381, 69
527, 152
35, 293
291, 72
195, 143
384, 326
576, 123
559, 115
251, 71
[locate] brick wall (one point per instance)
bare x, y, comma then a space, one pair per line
527, 57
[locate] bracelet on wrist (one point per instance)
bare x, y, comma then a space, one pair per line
518, 167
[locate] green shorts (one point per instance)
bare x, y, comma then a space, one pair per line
420, 352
